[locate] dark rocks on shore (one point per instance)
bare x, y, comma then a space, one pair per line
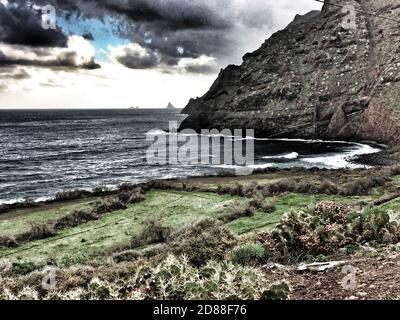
314, 79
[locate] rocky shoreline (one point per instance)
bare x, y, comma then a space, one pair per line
314, 80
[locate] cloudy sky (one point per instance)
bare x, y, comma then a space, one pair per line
122, 53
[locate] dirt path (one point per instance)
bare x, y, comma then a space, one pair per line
373, 278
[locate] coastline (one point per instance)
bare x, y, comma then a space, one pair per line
78, 194
151, 224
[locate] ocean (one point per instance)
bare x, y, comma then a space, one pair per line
47, 151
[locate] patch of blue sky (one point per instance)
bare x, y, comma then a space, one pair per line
105, 32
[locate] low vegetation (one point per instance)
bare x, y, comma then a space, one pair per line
154, 231
326, 228
203, 241
170, 279
209, 238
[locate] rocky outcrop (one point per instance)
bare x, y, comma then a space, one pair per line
315, 79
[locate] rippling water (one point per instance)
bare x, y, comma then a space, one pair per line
43, 152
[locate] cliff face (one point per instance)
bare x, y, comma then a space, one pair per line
314, 79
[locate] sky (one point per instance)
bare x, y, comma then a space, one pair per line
124, 53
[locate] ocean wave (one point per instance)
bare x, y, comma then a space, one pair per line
289, 156
343, 160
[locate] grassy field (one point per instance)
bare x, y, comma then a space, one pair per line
175, 208
114, 229
102, 247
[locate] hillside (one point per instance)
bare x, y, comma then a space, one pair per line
256, 231
314, 79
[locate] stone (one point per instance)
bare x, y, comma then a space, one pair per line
313, 80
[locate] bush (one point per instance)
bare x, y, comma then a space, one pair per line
363, 186
268, 206
260, 203
23, 268
277, 292
248, 255
203, 241
75, 218
279, 187
237, 214
72, 195
153, 232
328, 188
38, 231
131, 197
257, 201
327, 228
246, 191
306, 188
100, 190
172, 278
8, 242
160, 185
375, 225
108, 205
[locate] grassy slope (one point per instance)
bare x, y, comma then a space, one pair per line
283, 204
115, 229
18, 221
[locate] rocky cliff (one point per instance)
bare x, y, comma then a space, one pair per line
315, 79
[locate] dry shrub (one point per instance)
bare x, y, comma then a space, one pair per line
8, 242
108, 205
328, 188
237, 213
246, 191
203, 241
306, 187
160, 185
153, 232
132, 196
268, 206
38, 231
72, 195
279, 187
75, 218
363, 186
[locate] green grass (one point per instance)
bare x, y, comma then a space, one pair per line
18, 221
392, 205
285, 203
116, 229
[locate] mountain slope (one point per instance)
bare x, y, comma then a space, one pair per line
314, 79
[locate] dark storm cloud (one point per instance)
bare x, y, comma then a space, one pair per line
199, 27
169, 30
135, 57
65, 60
21, 24
204, 69
24, 42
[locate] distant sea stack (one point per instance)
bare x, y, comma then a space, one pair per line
170, 106
315, 79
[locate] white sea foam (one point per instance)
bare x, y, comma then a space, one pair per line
289, 156
342, 160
